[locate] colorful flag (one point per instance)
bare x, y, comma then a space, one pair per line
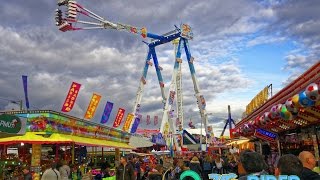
71, 97
94, 102
155, 120
135, 125
25, 88
128, 121
107, 112
148, 120
119, 117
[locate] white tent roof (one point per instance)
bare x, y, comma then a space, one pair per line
139, 142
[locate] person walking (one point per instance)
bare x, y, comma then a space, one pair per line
125, 170
51, 173
207, 167
195, 165
218, 161
26, 173
309, 162
64, 171
137, 167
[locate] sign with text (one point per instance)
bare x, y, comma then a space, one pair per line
128, 122
92, 106
119, 117
265, 135
12, 124
258, 100
71, 97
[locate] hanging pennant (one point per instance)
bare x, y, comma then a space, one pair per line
94, 102
128, 122
71, 97
148, 120
119, 117
106, 112
135, 125
155, 120
25, 88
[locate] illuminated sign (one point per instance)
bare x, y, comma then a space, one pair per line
257, 101
266, 135
272, 177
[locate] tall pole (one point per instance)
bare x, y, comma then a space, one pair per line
201, 137
20, 102
72, 154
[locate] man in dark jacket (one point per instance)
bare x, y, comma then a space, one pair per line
195, 165
309, 162
253, 163
125, 170
289, 165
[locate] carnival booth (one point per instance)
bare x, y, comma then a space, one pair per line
287, 122
55, 136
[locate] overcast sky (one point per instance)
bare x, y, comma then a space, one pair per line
239, 48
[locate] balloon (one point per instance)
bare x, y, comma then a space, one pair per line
313, 92
257, 121
305, 101
275, 111
290, 106
267, 117
285, 114
295, 101
262, 122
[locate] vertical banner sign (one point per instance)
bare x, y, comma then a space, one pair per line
71, 97
155, 120
106, 112
119, 117
128, 121
92, 106
135, 125
148, 120
25, 88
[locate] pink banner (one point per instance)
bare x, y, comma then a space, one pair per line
148, 120
155, 120
71, 97
119, 117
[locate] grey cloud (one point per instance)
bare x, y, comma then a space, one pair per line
299, 20
110, 62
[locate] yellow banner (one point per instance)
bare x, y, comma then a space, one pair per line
92, 106
128, 122
257, 101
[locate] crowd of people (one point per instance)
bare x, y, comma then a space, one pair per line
245, 164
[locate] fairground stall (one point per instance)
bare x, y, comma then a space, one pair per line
56, 136
287, 122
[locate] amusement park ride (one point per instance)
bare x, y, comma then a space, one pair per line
229, 122
179, 37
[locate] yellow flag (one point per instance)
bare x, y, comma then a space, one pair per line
92, 106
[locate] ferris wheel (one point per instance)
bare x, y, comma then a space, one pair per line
70, 16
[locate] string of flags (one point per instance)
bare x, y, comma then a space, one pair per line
92, 107
131, 122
